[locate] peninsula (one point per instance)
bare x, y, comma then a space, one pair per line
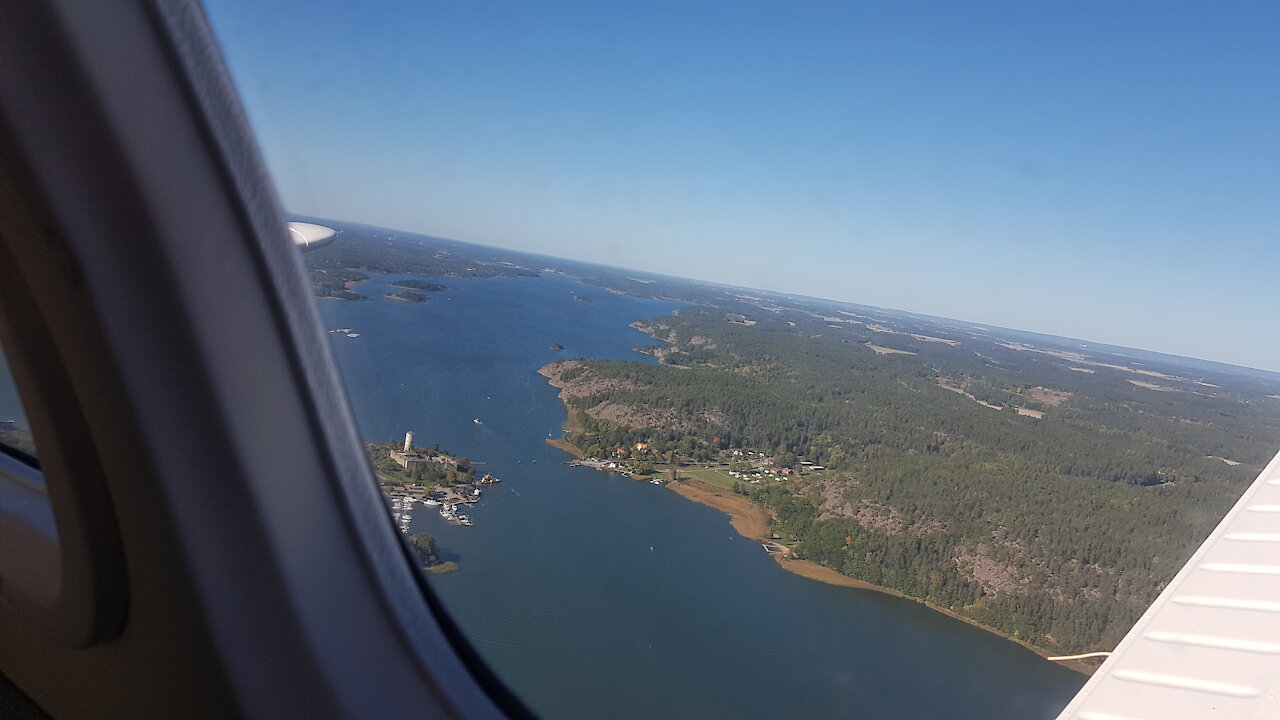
939, 472
410, 475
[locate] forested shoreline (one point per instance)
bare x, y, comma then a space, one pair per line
1047, 494
1042, 486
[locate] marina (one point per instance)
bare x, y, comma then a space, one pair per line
448, 500
412, 475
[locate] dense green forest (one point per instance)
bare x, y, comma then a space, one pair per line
425, 548
409, 296
1046, 492
1043, 486
425, 285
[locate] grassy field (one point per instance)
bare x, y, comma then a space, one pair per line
566, 446
719, 478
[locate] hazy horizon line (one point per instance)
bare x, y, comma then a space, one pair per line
1275, 373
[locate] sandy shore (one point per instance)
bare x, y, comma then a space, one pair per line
749, 519
566, 446
821, 573
752, 522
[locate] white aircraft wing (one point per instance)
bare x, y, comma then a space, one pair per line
1209, 646
309, 236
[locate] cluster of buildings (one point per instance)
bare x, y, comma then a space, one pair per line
764, 467
411, 459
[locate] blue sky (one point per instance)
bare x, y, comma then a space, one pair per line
1101, 170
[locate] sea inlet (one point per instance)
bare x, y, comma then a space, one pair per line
595, 596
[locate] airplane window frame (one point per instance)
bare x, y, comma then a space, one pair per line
30, 556
225, 549
209, 409
17, 453
54, 576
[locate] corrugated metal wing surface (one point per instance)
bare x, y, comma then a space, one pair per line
1209, 646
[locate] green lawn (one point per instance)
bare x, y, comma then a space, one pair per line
719, 478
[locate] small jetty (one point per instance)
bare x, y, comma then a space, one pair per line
450, 513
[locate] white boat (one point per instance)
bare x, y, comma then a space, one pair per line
430, 501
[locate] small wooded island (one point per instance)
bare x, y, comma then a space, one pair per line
415, 284
412, 285
408, 296
428, 554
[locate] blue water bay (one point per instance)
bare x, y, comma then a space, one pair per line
595, 596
